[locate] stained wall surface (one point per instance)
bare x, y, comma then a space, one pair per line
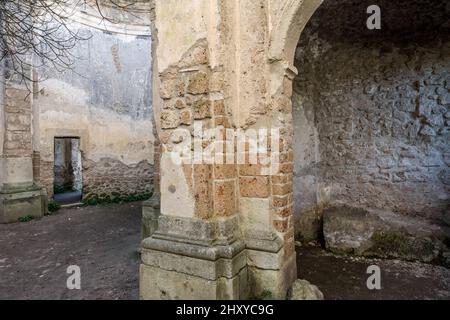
106, 101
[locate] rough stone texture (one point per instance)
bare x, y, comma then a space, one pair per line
303, 290
383, 234
371, 111
110, 177
17, 115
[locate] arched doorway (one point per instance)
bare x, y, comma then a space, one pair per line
370, 110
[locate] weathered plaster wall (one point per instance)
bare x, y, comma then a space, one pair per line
106, 102
371, 111
213, 68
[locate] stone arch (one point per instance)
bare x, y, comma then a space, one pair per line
289, 23
340, 48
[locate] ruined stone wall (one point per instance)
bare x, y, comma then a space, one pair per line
110, 177
371, 111
106, 103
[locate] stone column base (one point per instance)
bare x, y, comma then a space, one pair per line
195, 260
20, 203
175, 277
271, 272
272, 283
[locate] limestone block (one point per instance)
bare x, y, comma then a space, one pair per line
254, 187
16, 172
160, 284
202, 109
194, 259
14, 205
255, 214
198, 83
186, 117
270, 283
204, 268
169, 119
303, 290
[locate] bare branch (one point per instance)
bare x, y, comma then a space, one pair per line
38, 33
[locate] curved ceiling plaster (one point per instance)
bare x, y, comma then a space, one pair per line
127, 17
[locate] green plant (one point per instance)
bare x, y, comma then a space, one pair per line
115, 197
53, 206
26, 218
92, 201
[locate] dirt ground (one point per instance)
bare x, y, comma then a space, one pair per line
103, 241
341, 277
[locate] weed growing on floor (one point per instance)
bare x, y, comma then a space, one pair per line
26, 218
53, 206
105, 199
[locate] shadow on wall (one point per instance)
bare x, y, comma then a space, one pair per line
67, 169
371, 122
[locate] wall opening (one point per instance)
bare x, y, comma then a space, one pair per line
371, 118
68, 182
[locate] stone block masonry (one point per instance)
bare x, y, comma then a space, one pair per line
111, 178
17, 115
213, 67
19, 196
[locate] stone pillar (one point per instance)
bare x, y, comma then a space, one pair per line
151, 209
19, 196
35, 130
267, 204
197, 252
225, 230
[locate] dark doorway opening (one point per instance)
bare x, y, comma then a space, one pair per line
68, 182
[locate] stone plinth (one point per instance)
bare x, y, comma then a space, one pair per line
16, 203
194, 259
